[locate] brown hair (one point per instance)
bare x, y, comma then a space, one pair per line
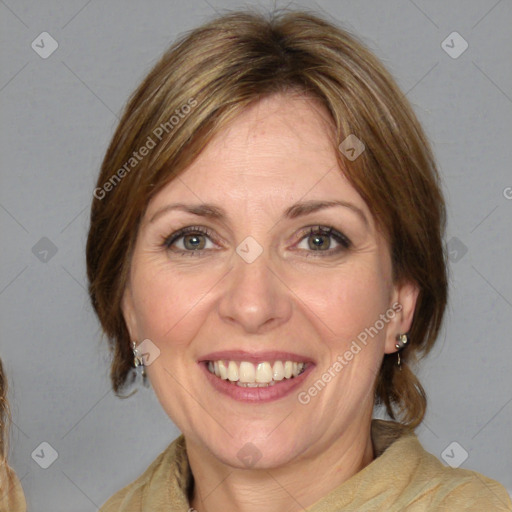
4, 414
208, 77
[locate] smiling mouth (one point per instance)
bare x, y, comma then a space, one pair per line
260, 375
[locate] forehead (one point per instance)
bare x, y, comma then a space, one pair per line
279, 150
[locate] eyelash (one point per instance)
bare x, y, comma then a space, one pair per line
340, 238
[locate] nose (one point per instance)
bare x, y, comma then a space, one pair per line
255, 298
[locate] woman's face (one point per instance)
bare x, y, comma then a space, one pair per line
258, 280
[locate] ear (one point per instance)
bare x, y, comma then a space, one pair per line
404, 299
128, 309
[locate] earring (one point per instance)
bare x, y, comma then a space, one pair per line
138, 360
401, 342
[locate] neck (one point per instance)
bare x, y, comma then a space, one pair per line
292, 487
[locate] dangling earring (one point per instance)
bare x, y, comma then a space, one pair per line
138, 361
401, 342
139, 369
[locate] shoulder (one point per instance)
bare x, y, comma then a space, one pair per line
433, 486
133, 497
129, 498
461, 489
415, 480
474, 491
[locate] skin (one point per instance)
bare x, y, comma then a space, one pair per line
291, 298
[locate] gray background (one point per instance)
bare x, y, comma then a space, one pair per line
58, 116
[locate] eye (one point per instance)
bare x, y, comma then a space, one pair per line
191, 240
319, 239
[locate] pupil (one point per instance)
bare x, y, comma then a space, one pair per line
193, 241
318, 242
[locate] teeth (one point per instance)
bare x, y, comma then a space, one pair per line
223, 370
263, 374
288, 369
247, 372
278, 371
233, 371
254, 384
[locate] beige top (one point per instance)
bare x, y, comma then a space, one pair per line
403, 476
12, 498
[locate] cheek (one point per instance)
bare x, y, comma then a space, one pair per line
167, 303
348, 302
364, 297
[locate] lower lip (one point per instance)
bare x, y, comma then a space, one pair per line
279, 390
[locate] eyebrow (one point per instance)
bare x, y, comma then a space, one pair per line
294, 211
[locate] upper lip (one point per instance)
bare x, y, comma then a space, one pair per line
254, 357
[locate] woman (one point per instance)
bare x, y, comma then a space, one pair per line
266, 243
12, 498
